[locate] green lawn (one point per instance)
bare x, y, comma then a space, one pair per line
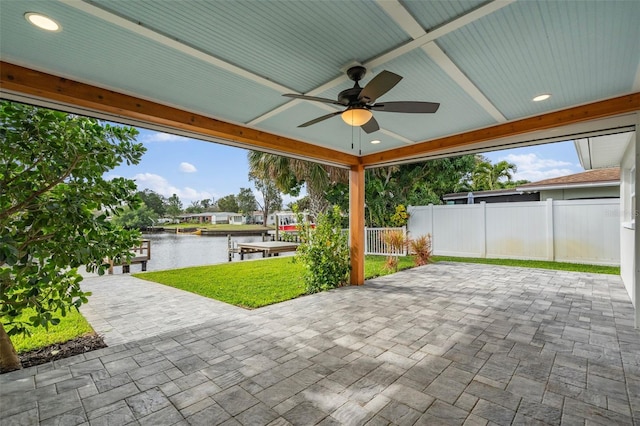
252, 284
557, 266
249, 284
71, 326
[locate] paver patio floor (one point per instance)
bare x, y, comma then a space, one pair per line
441, 344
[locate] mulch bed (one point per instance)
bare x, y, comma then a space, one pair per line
58, 351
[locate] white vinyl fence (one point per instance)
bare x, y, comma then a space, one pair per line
579, 231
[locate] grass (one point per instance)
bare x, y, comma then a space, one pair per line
374, 265
247, 284
71, 326
252, 284
542, 264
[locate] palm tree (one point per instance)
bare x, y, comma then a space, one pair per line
487, 176
289, 174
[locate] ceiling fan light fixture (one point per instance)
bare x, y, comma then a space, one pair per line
356, 116
42, 21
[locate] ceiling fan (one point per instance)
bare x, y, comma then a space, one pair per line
360, 101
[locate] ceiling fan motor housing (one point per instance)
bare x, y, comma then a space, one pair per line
350, 96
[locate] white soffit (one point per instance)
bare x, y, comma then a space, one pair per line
602, 151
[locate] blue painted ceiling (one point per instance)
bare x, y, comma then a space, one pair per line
232, 60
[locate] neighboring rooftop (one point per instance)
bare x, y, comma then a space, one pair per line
595, 177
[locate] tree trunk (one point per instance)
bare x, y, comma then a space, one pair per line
9, 360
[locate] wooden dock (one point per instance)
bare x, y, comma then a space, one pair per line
141, 254
267, 248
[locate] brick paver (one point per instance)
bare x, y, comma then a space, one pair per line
441, 344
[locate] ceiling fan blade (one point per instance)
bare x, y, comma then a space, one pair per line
370, 126
408, 106
319, 119
378, 86
312, 98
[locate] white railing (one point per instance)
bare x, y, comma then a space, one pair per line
374, 241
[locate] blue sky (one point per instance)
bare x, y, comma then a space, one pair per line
195, 170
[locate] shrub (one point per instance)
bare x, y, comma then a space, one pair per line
324, 252
396, 241
421, 248
400, 217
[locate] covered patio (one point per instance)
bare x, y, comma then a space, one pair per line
441, 344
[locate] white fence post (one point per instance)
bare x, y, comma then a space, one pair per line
483, 221
550, 237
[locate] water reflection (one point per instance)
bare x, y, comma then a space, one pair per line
170, 251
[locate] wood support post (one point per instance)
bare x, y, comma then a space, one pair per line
356, 223
636, 235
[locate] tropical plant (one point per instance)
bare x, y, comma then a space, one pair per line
54, 208
396, 242
420, 247
323, 251
290, 174
487, 176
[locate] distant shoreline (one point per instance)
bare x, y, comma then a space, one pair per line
210, 232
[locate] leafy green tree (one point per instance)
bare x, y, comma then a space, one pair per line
54, 204
271, 198
195, 207
207, 204
174, 206
247, 203
142, 217
154, 201
412, 184
228, 203
487, 176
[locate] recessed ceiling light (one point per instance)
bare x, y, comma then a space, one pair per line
375, 142
42, 21
542, 97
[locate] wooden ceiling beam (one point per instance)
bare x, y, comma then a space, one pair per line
596, 110
26, 81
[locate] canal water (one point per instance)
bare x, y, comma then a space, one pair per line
171, 251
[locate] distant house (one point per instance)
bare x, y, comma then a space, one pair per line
214, 217
590, 184
510, 195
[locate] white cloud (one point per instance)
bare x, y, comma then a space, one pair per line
161, 137
533, 168
187, 167
163, 187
